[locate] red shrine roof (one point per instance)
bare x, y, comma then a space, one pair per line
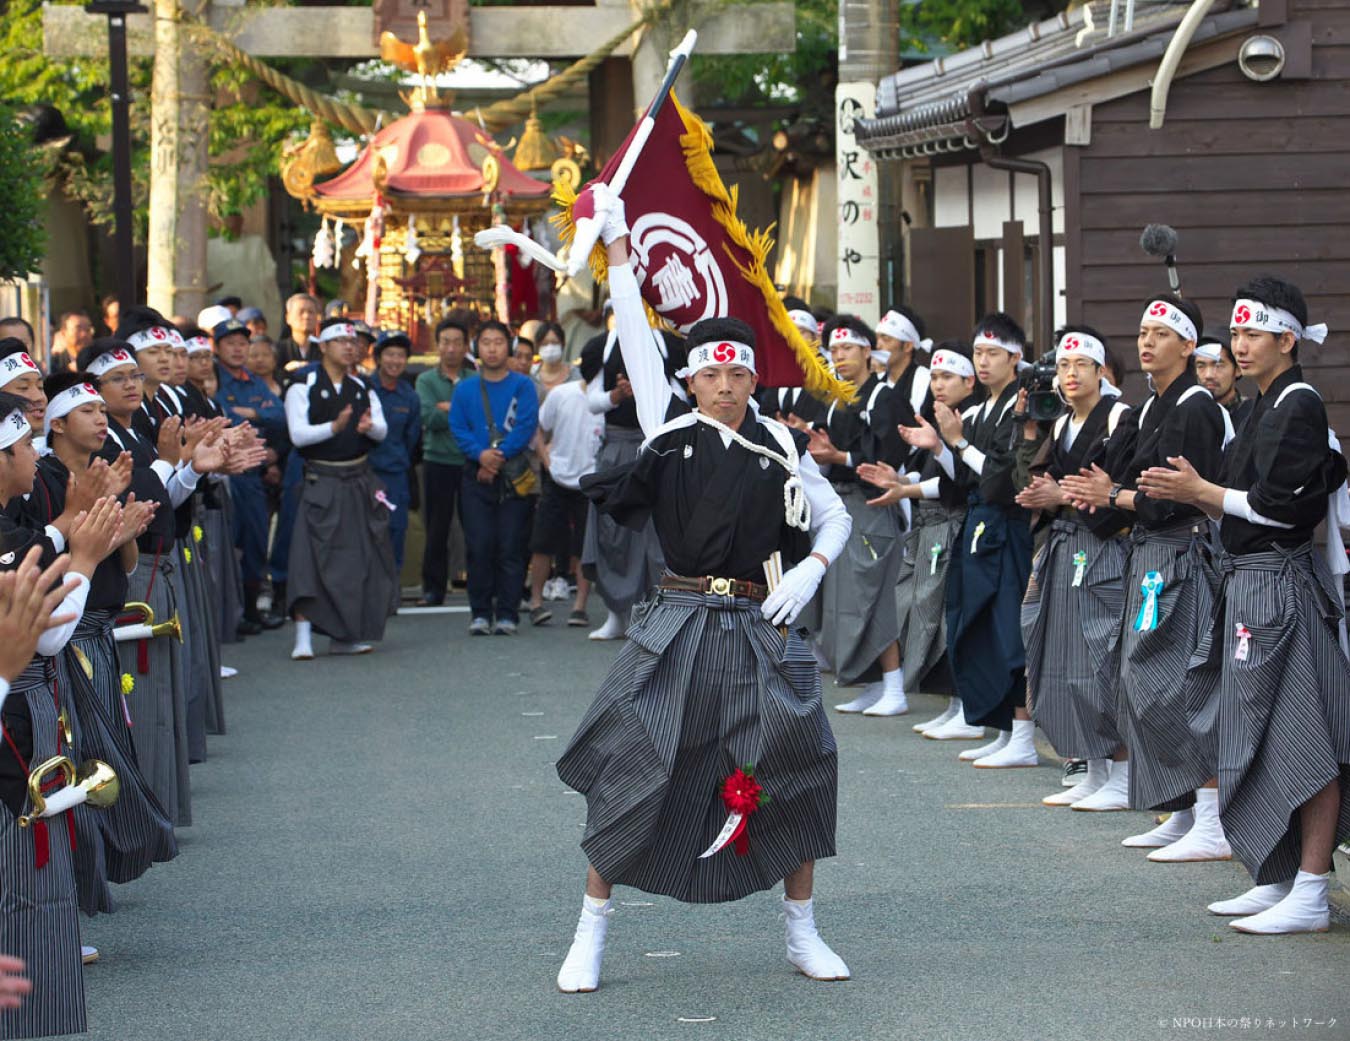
427, 157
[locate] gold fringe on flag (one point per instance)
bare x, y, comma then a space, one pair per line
696, 143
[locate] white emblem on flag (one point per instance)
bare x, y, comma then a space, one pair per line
675, 260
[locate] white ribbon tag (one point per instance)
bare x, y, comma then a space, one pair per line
383, 500
933, 555
975, 540
1244, 637
1079, 566
723, 837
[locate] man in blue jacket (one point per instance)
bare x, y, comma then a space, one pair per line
492, 511
392, 458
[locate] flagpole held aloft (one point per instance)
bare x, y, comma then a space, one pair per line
588, 228
573, 258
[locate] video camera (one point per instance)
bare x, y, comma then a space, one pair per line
1043, 401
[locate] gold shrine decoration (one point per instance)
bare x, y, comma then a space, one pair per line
426, 58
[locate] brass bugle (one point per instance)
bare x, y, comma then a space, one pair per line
127, 633
95, 783
135, 607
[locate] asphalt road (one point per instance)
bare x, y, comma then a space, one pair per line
383, 851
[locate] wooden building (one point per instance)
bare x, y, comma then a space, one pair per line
1250, 164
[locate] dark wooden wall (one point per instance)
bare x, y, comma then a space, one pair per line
1255, 178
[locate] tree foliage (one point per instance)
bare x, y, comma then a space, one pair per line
21, 234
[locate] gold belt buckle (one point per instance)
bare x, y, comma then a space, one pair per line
719, 586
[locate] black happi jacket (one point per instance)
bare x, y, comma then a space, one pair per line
867, 430
717, 510
1282, 460
1164, 426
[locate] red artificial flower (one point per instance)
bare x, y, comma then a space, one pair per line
742, 794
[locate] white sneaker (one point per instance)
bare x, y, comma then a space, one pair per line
870, 695
1253, 901
955, 729
806, 951
1112, 796
1304, 910
1166, 833
1098, 771
997, 745
953, 707
1019, 752
1205, 840
480, 627
611, 630
226, 672
580, 972
341, 647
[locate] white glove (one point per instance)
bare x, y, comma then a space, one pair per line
609, 213
799, 585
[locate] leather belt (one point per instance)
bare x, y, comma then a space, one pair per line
716, 586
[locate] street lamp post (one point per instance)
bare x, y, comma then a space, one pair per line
117, 11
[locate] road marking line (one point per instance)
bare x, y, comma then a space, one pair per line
994, 806
433, 610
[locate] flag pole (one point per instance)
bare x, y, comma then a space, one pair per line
587, 228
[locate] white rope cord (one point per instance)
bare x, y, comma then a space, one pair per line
796, 506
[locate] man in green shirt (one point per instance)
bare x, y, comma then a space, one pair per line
442, 460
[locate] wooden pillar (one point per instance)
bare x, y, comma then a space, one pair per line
180, 109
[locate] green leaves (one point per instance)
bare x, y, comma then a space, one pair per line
21, 194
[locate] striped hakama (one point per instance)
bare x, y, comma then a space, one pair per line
204, 639
921, 590
625, 563
136, 831
158, 704
225, 584
1071, 629
985, 587
1283, 703
858, 612
341, 574
39, 921
1171, 733
703, 686
196, 663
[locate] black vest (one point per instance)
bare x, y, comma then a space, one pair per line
325, 402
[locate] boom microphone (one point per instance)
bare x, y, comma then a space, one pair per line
1160, 240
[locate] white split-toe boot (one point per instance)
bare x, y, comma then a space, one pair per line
893, 701
955, 729
1166, 833
1113, 795
953, 707
580, 972
997, 745
1020, 751
1254, 900
1098, 770
1205, 840
806, 951
1304, 910
870, 695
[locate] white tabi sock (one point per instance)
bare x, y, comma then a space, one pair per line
304, 646
1166, 833
997, 745
871, 694
611, 630
1098, 771
1111, 797
1205, 840
893, 702
953, 707
806, 951
580, 972
1304, 910
1254, 900
1020, 751
956, 728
